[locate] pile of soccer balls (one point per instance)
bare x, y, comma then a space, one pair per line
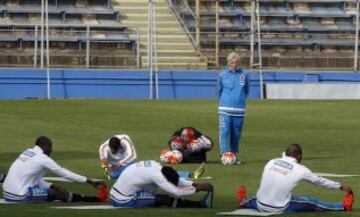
179, 144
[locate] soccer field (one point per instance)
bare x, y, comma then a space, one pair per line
329, 132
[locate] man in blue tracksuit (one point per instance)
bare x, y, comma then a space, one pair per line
233, 89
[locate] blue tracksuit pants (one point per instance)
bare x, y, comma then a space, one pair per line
300, 204
230, 126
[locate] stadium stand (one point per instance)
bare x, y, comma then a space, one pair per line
82, 33
294, 34
306, 34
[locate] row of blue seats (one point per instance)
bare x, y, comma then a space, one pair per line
56, 2
52, 20
231, 12
277, 26
276, 9
64, 38
285, 42
63, 10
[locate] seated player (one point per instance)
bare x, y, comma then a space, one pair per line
137, 185
115, 153
191, 143
280, 177
24, 183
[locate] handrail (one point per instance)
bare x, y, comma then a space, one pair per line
187, 31
189, 8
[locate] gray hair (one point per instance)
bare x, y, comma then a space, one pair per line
232, 56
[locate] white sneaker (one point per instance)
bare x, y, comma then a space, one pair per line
237, 162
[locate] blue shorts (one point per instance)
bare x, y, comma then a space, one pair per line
34, 194
115, 174
141, 199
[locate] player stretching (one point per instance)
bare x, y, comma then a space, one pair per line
137, 184
24, 183
280, 177
115, 154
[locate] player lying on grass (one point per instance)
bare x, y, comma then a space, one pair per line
24, 183
192, 145
137, 185
280, 177
115, 153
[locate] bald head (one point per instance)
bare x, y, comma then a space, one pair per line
295, 151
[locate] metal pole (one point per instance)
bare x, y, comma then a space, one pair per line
154, 35
259, 50
356, 54
150, 50
87, 46
217, 33
252, 23
47, 50
42, 36
197, 13
35, 46
138, 48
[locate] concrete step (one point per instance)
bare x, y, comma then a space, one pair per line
173, 59
143, 17
173, 51
137, 1
174, 46
180, 65
131, 9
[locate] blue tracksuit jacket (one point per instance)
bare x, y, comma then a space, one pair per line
233, 89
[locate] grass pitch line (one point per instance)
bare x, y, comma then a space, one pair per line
3, 201
337, 175
248, 212
90, 207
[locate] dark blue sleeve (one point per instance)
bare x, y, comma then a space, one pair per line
247, 85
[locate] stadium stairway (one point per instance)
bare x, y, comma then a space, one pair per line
174, 48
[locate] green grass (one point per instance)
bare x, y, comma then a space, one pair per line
327, 130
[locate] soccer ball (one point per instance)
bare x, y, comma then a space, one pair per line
228, 158
171, 156
177, 143
194, 146
187, 134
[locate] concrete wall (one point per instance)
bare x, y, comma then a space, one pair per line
78, 83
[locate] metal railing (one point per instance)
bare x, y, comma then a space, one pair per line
88, 46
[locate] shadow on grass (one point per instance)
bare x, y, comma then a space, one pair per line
322, 158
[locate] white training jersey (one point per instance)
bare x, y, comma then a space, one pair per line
147, 176
123, 156
280, 177
27, 171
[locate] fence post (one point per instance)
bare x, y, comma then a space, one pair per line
87, 46
356, 53
35, 45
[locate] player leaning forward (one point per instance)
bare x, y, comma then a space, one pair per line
281, 176
24, 181
115, 154
137, 185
